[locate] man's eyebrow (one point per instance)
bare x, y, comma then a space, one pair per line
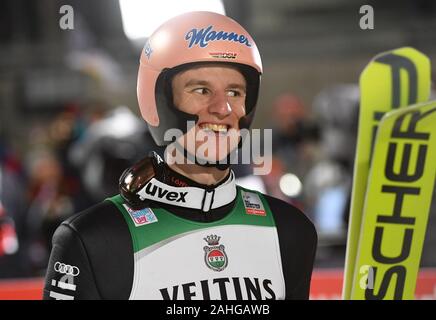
199, 82
196, 82
239, 86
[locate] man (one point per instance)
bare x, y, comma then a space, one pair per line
184, 229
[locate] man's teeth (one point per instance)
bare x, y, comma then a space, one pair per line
215, 127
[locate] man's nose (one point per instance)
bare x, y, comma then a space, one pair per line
220, 106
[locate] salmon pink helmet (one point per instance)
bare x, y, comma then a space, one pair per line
183, 41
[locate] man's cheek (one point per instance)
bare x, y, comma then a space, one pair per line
239, 107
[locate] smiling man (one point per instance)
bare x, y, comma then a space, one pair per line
216, 94
182, 228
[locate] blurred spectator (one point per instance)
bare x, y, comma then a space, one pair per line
8, 236
54, 189
49, 203
294, 149
293, 132
12, 182
12, 209
329, 182
68, 127
108, 147
272, 179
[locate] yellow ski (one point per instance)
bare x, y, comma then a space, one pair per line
391, 80
397, 204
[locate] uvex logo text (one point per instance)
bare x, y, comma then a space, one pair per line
156, 191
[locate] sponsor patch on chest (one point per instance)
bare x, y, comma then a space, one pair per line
141, 217
253, 204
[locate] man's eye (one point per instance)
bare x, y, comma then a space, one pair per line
234, 93
201, 90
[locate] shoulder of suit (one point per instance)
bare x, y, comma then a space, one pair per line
101, 219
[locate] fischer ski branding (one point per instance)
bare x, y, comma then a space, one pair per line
392, 80
397, 204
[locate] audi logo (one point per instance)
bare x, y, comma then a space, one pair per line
66, 269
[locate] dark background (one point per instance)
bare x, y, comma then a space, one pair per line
58, 86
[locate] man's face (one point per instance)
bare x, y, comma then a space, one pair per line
216, 94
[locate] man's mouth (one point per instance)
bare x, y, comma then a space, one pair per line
213, 127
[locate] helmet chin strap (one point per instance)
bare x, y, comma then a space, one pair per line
205, 163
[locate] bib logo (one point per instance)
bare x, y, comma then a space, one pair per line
253, 204
214, 254
141, 217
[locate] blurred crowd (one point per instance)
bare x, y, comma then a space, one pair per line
74, 160
70, 163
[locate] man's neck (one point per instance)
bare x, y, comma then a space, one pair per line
200, 174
